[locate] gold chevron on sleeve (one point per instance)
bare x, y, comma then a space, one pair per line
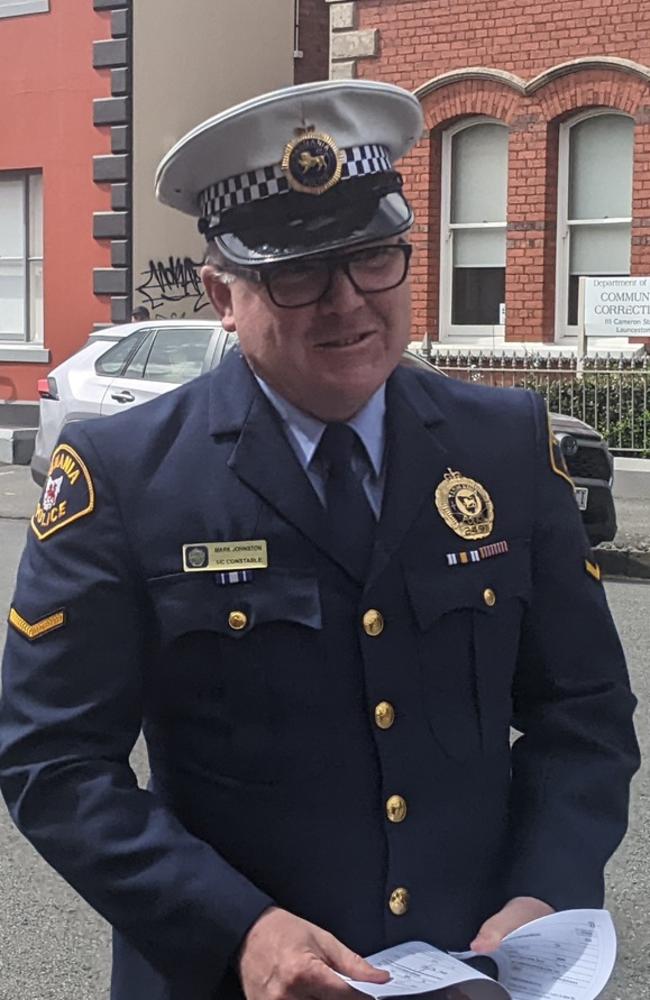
39, 628
593, 569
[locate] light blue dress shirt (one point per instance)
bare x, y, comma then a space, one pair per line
304, 432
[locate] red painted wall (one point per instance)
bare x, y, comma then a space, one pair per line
47, 85
421, 39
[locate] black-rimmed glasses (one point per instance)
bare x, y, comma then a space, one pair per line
303, 283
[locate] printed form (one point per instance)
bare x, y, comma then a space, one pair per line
564, 956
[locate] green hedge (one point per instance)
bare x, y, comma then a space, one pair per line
617, 405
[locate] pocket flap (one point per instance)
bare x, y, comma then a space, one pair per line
482, 586
195, 602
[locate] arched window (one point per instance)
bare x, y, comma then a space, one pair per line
473, 231
594, 206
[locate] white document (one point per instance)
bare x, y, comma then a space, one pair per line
564, 956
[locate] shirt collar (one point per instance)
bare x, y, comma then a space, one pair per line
307, 430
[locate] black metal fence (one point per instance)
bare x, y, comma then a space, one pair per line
610, 392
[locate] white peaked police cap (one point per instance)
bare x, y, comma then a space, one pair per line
299, 171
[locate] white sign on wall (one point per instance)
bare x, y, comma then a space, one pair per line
616, 307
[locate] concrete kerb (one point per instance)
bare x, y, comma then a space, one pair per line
627, 563
632, 465
17, 445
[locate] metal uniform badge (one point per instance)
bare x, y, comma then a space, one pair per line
312, 162
232, 560
465, 506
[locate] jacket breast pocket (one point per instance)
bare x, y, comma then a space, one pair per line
234, 668
469, 620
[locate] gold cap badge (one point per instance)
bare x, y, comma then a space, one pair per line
313, 163
465, 506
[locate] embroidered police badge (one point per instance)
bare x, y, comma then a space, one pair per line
464, 505
68, 493
312, 163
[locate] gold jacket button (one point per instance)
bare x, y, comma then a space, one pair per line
489, 597
237, 620
384, 715
399, 901
373, 622
396, 809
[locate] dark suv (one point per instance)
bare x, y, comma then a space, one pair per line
591, 467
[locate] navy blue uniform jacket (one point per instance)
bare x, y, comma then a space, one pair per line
269, 774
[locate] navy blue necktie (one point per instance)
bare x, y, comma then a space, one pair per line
351, 521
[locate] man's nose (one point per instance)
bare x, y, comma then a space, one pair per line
341, 296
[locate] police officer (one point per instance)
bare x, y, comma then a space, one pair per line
325, 585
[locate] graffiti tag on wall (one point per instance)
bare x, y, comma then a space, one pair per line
174, 282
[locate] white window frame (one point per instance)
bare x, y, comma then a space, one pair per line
16, 8
565, 334
485, 334
28, 258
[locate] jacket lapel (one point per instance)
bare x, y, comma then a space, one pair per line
264, 460
262, 456
417, 460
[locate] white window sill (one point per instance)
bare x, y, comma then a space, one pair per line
16, 8
34, 354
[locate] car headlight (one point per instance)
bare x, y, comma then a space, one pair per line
568, 445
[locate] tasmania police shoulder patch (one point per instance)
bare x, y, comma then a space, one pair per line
68, 493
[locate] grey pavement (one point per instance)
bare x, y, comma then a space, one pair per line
632, 497
18, 492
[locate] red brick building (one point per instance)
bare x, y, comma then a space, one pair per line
535, 164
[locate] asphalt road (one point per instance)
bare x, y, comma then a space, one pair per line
53, 947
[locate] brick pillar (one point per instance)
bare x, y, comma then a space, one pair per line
526, 257
415, 169
641, 198
641, 202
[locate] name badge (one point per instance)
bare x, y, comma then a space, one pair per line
222, 557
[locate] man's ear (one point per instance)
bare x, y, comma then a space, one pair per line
220, 297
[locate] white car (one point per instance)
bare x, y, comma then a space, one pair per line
119, 367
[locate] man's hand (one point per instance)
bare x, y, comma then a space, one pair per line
514, 914
286, 958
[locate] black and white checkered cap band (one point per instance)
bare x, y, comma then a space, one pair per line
269, 181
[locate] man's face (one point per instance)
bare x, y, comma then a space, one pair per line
327, 358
